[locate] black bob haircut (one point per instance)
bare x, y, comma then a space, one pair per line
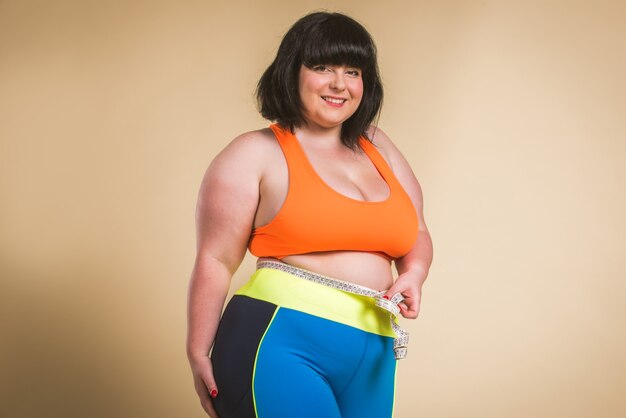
321, 38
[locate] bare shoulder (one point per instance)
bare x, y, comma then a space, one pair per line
400, 167
245, 149
254, 140
386, 147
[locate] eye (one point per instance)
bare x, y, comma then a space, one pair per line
354, 72
320, 67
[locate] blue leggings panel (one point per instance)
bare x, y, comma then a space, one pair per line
276, 362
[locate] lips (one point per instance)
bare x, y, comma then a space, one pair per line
334, 100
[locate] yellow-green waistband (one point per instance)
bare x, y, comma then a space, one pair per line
289, 291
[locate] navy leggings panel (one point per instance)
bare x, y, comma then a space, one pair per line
275, 362
237, 340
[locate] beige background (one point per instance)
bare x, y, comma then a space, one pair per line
511, 114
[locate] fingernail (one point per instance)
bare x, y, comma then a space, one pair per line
386, 297
213, 393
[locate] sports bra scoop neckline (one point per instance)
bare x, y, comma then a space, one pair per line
314, 217
309, 165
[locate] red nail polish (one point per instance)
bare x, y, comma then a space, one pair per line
386, 297
213, 393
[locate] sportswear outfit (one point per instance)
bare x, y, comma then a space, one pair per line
295, 344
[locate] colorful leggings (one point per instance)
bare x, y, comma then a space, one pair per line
287, 347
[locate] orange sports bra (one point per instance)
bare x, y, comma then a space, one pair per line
314, 217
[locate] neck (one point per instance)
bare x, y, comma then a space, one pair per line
322, 136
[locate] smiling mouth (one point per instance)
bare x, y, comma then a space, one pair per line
333, 100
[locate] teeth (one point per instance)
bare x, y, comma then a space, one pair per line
330, 99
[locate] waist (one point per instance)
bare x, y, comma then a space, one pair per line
337, 300
360, 267
287, 290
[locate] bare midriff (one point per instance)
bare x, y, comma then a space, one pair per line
363, 268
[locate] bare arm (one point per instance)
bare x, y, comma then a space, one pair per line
227, 203
414, 266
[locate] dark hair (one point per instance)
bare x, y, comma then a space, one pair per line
321, 38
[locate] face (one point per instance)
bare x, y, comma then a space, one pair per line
330, 94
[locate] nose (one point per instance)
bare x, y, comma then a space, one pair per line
337, 82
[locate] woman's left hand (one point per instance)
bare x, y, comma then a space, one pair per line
409, 284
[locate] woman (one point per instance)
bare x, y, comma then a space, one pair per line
327, 202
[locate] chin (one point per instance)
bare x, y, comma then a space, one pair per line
332, 124
328, 123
